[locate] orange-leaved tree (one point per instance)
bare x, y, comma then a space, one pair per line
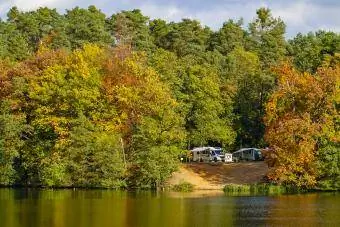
300, 113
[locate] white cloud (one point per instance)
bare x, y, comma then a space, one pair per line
213, 17
299, 15
4, 5
168, 13
307, 16
26, 5
30, 5
292, 13
218, 15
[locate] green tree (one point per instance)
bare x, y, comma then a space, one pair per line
328, 166
94, 156
267, 37
148, 116
306, 52
12, 43
11, 125
252, 88
314, 50
206, 120
230, 36
187, 37
10, 143
70, 123
87, 26
131, 28
170, 69
39, 26
159, 29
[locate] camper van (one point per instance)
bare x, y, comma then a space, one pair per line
247, 154
209, 154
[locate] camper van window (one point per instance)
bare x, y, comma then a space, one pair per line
247, 152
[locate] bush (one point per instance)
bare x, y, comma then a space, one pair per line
183, 187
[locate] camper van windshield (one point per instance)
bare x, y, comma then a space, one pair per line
218, 152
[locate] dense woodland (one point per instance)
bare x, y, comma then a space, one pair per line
91, 100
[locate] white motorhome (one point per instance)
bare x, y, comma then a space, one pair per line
209, 154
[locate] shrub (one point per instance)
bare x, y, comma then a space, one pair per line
183, 187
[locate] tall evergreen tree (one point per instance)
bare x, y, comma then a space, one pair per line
267, 37
87, 26
230, 36
131, 28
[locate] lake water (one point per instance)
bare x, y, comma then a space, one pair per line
52, 208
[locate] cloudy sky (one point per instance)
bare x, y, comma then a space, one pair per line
299, 15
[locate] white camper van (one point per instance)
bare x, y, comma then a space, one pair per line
209, 154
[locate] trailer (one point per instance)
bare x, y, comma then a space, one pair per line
247, 154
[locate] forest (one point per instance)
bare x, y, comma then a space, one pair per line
110, 101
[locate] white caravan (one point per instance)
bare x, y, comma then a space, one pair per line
248, 154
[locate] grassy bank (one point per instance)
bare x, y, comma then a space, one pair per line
260, 189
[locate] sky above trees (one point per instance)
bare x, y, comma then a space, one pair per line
299, 15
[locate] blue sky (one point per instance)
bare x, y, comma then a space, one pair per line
300, 16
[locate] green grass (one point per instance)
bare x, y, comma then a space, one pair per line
183, 187
260, 189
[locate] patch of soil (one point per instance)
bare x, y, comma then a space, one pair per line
216, 175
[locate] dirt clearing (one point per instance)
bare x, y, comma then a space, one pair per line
216, 175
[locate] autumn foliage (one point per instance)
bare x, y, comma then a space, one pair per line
95, 100
86, 118
300, 116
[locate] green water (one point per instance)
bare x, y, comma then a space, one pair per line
51, 208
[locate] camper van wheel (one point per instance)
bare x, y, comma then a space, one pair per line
215, 159
201, 160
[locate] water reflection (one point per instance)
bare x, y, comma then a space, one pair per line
20, 207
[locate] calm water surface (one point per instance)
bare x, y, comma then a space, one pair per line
52, 208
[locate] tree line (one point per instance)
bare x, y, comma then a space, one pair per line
90, 100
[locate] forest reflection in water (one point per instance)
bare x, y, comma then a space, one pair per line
58, 208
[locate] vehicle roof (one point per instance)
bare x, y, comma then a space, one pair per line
244, 149
206, 148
